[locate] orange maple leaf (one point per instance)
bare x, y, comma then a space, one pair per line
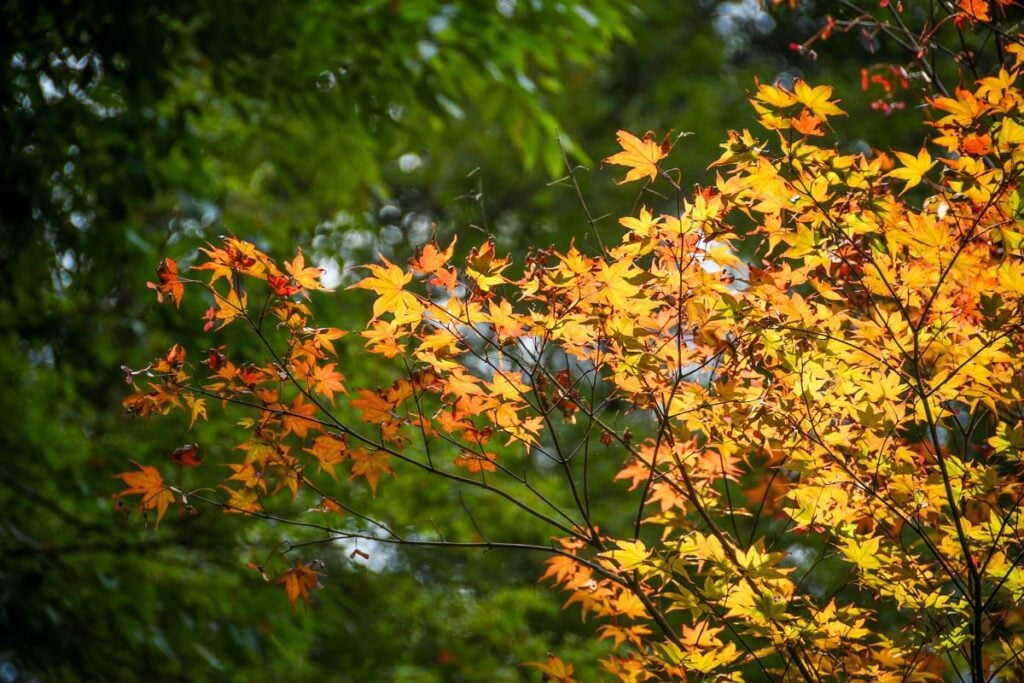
370, 464
169, 283
642, 156
975, 9
554, 670
298, 581
324, 336
374, 407
504, 319
147, 483
297, 421
477, 462
976, 145
445, 278
243, 501
329, 451
383, 336
429, 258
807, 123
326, 381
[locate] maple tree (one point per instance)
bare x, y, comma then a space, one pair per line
844, 401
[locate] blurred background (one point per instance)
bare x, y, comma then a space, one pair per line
134, 130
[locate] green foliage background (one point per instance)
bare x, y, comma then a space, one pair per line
134, 130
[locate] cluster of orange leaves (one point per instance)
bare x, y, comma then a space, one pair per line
850, 396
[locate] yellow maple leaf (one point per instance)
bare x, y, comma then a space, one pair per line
816, 99
388, 282
773, 96
383, 336
642, 156
303, 276
630, 555
230, 307
484, 267
243, 501
864, 554
913, 168
642, 227
554, 670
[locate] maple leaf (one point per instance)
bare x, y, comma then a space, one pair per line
554, 670
169, 283
323, 338
388, 282
329, 450
975, 9
371, 465
297, 419
249, 473
308, 278
914, 168
863, 553
147, 483
430, 259
503, 319
483, 266
230, 307
618, 280
298, 581
816, 99
445, 278
808, 124
282, 285
773, 96
476, 462
383, 336
325, 381
641, 156
374, 407
197, 408
977, 145
237, 256
562, 570
642, 227
701, 635
243, 501
630, 555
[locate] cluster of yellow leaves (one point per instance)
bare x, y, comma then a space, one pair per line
850, 371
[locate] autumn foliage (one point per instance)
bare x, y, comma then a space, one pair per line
824, 438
